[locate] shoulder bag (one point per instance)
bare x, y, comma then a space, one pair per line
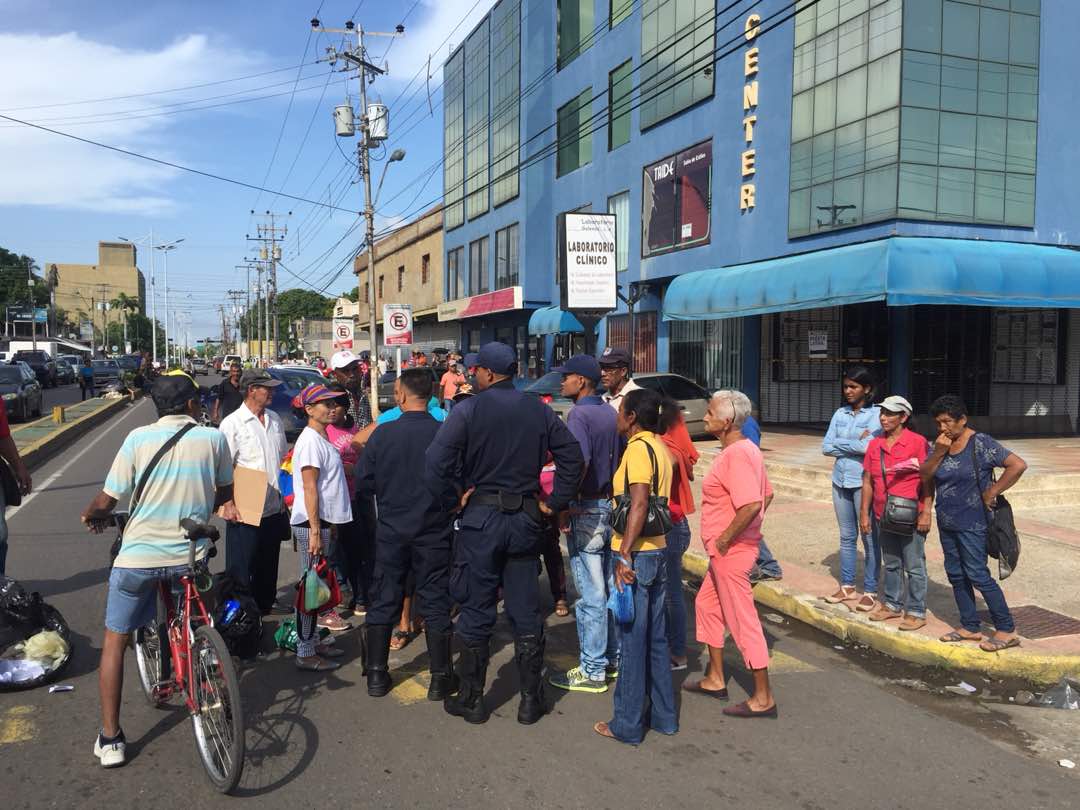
12, 493
900, 514
1002, 541
122, 521
657, 518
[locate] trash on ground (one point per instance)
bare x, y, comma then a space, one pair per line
1066, 695
962, 688
775, 618
1024, 697
838, 647
61, 687
19, 670
1066, 763
911, 683
34, 638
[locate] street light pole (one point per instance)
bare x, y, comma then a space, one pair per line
166, 249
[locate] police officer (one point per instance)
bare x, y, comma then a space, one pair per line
412, 535
488, 456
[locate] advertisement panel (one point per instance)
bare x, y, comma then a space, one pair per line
397, 324
587, 263
676, 201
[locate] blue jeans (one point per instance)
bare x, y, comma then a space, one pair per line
905, 556
3, 534
589, 544
678, 541
644, 667
133, 596
766, 562
965, 565
846, 503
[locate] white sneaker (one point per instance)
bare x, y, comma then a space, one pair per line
112, 755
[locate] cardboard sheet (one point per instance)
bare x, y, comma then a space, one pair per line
249, 493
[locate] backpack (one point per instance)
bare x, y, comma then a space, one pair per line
243, 630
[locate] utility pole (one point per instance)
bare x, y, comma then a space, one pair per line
357, 58
33, 312
234, 296
271, 236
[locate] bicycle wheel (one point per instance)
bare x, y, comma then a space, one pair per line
151, 651
218, 719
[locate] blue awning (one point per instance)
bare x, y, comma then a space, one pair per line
553, 321
902, 271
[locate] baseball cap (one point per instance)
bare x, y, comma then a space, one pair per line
497, 358
257, 376
471, 359
316, 392
171, 391
615, 356
583, 364
464, 392
343, 359
896, 404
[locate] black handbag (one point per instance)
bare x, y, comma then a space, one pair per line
12, 493
1002, 541
900, 514
658, 517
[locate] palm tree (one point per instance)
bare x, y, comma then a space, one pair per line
125, 303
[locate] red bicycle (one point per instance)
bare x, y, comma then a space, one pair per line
198, 666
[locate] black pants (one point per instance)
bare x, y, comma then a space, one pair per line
493, 548
356, 549
251, 555
427, 559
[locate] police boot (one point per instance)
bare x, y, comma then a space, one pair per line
378, 655
529, 655
472, 672
443, 680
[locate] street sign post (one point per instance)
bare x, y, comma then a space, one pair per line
397, 324
343, 333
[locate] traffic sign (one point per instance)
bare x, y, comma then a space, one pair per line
397, 324
343, 333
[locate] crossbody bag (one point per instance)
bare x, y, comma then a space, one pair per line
900, 514
1002, 540
658, 517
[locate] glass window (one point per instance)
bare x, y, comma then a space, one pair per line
506, 257
825, 106
882, 138
918, 191
827, 15
505, 100
851, 97
879, 193
922, 79
959, 84
993, 89
885, 28
454, 140
804, 68
478, 266
821, 207
847, 201
1024, 40
800, 163
825, 57
1020, 200
852, 8
619, 10
883, 84
851, 45
677, 40
619, 205
1020, 147
1023, 93
799, 213
575, 29
620, 89
823, 151
919, 135
960, 29
805, 23
922, 25
802, 116
477, 121
956, 193
957, 140
574, 134
989, 196
850, 149
994, 35
990, 144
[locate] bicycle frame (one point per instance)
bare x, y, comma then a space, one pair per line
181, 632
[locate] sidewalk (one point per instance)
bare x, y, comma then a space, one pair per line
802, 534
39, 440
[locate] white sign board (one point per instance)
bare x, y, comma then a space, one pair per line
590, 261
819, 343
343, 333
397, 324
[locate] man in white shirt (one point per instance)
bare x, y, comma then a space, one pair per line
615, 376
257, 441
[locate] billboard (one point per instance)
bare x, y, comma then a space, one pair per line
587, 263
676, 202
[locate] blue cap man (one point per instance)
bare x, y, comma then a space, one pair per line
498, 358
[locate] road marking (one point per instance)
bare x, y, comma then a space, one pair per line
15, 727
52, 478
413, 689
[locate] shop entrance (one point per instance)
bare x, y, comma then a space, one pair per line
952, 353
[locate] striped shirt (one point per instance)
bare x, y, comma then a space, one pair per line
182, 485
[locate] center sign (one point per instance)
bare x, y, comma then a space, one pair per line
587, 261
397, 324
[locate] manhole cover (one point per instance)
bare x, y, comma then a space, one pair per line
1034, 622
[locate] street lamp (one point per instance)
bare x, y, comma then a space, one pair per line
153, 292
166, 249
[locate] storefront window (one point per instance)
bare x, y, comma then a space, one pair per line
676, 202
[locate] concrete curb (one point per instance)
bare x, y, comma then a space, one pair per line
37, 453
918, 649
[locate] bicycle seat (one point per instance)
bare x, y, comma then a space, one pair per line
197, 531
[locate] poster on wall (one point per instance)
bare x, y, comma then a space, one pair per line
587, 261
819, 344
676, 202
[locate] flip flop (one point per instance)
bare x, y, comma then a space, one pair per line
561, 608
602, 729
401, 639
954, 636
743, 710
999, 644
696, 688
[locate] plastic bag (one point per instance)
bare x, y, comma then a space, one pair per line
46, 647
1066, 695
285, 636
621, 604
316, 593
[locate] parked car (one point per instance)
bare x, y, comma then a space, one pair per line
106, 372
42, 364
21, 390
227, 361
216, 362
73, 360
386, 388
65, 374
294, 379
199, 365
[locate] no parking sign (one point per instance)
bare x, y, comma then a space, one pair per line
397, 324
343, 333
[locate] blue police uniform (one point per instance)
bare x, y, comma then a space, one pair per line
497, 442
412, 536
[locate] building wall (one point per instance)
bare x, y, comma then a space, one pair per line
81, 287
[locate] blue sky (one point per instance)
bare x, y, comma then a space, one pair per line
59, 197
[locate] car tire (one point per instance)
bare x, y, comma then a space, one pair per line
40, 405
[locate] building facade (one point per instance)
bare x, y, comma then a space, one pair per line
796, 190
86, 291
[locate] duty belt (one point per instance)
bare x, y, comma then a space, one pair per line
508, 502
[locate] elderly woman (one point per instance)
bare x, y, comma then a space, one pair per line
638, 555
961, 470
734, 497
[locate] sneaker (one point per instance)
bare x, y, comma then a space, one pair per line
111, 753
359, 609
575, 680
611, 672
332, 622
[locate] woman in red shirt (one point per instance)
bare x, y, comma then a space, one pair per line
891, 468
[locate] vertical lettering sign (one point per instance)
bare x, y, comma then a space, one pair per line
588, 261
748, 162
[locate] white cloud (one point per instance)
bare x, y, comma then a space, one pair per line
39, 168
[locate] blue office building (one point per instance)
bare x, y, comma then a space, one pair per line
799, 187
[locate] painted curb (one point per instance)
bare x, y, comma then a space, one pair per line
37, 453
1013, 663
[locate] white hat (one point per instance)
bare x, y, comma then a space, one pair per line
896, 404
343, 359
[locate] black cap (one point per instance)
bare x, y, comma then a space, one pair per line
615, 356
258, 376
498, 358
173, 391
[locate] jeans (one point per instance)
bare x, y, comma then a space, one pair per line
847, 502
766, 562
644, 667
678, 541
965, 565
905, 556
132, 600
3, 534
589, 542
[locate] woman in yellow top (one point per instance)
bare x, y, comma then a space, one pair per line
644, 665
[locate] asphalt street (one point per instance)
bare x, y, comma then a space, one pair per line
847, 735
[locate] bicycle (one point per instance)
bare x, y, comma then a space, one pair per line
198, 666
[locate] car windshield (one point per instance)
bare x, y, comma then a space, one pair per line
550, 383
10, 376
298, 378
109, 365
127, 362
39, 357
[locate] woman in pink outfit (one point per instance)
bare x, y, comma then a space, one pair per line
735, 495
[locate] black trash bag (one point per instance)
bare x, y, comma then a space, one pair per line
23, 615
244, 630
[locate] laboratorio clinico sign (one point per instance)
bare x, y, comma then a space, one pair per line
748, 159
587, 261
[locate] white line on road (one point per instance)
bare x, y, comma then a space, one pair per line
52, 478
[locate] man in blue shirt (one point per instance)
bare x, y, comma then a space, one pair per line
592, 422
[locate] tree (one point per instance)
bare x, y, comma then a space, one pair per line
15, 269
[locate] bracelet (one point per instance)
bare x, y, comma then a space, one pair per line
624, 560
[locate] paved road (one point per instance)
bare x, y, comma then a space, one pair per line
846, 735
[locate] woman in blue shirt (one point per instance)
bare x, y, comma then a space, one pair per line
850, 431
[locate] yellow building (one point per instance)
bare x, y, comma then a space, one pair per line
81, 288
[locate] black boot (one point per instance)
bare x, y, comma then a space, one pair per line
472, 672
443, 680
529, 655
378, 655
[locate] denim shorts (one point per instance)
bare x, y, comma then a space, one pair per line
132, 601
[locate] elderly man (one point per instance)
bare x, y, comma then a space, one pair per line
615, 375
256, 441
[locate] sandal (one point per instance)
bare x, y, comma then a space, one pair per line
561, 608
999, 644
845, 594
866, 604
954, 636
602, 729
400, 639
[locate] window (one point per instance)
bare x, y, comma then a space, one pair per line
619, 10
506, 257
620, 91
454, 140
477, 121
478, 266
401, 279
425, 268
505, 99
380, 288
677, 42
574, 134
1028, 346
455, 274
575, 29
676, 202
619, 205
